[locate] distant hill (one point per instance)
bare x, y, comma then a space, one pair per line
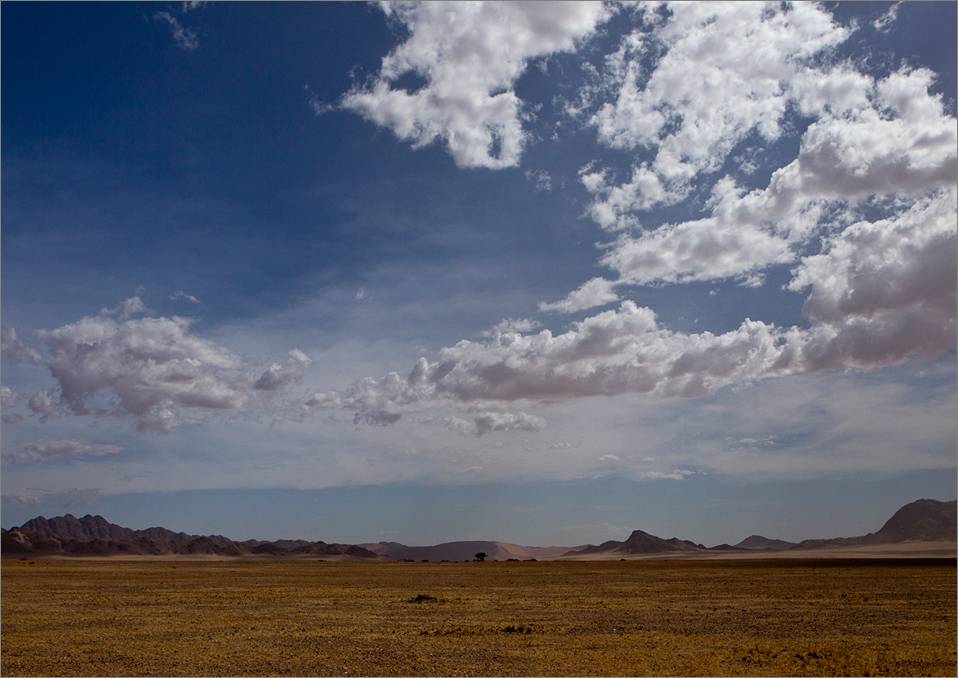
465, 550
922, 520
925, 520
90, 528
643, 543
95, 536
759, 543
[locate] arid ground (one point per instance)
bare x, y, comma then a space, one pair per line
645, 617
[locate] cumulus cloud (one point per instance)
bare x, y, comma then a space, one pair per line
44, 450
126, 308
617, 351
883, 291
150, 366
698, 94
596, 292
468, 57
20, 499
488, 422
719, 72
154, 369
868, 137
8, 397
513, 325
14, 351
45, 404
281, 375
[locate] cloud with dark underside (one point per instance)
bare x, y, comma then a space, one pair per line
682, 93
153, 369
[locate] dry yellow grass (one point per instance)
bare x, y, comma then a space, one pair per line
109, 617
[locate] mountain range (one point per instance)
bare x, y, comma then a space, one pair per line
925, 520
95, 536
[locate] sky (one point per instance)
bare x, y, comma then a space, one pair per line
543, 273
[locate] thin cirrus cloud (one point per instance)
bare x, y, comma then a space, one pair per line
682, 93
44, 450
469, 56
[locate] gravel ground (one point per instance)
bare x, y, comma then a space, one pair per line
110, 617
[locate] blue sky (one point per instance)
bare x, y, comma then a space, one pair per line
544, 273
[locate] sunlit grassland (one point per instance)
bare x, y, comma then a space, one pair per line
140, 617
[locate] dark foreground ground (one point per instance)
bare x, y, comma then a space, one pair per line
112, 617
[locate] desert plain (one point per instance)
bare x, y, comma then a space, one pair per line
209, 616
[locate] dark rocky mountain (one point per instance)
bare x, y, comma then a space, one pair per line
922, 520
89, 528
95, 536
759, 543
643, 543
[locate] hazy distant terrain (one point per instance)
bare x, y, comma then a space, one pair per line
923, 521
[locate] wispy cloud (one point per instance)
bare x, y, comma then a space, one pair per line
886, 21
185, 38
44, 450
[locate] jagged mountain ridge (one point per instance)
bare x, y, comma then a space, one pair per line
926, 520
95, 536
643, 543
91, 528
922, 520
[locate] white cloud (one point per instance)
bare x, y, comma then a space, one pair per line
541, 179
868, 138
704, 249
282, 375
46, 404
488, 422
8, 397
152, 366
723, 73
617, 351
21, 499
180, 294
14, 351
154, 369
469, 55
700, 81
505, 421
596, 292
127, 308
185, 38
886, 21
43, 450
520, 326
883, 291
677, 474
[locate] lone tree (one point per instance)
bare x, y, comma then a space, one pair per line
481, 556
